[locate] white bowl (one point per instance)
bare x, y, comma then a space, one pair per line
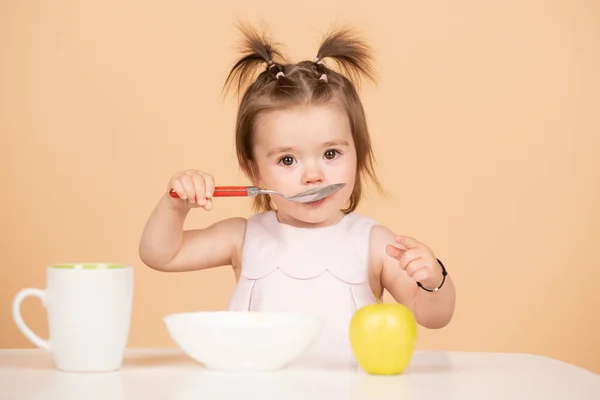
243, 341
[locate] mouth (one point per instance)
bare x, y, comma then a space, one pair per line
316, 203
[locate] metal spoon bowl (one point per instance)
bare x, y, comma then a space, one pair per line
308, 196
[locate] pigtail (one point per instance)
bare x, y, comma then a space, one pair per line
257, 50
350, 52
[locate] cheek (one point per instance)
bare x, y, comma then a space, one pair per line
347, 169
274, 175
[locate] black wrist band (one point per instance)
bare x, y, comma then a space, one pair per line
444, 273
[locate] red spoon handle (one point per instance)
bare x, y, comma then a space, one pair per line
222, 191
231, 191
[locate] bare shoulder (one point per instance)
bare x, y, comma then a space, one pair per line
234, 225
385, 270
235, 228
380, 237
230, 231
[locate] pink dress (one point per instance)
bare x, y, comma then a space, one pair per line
320, 271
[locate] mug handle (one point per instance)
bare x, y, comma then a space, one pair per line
16, 311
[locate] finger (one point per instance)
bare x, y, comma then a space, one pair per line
178, 188
408, 242
408, 257
209, 183
394, 251
199, 189
208, 205
422, 275
188, 186
415, 265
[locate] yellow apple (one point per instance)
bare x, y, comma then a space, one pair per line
383, 338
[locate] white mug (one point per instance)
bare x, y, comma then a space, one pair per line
88, 306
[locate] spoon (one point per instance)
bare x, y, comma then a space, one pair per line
251, 191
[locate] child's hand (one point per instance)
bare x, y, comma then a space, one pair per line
417, 260
194, 188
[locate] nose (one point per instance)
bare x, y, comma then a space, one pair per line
312, 174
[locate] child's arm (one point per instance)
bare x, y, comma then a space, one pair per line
165, 246
402, 267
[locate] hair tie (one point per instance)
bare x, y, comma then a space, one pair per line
279, 74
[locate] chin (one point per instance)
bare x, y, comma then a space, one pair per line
318, 213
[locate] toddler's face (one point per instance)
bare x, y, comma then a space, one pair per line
301, 148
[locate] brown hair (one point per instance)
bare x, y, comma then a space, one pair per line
282, 84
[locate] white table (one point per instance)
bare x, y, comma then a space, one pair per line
169, 374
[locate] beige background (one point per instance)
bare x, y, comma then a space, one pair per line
485, 125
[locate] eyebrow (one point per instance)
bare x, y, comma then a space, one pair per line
332, 143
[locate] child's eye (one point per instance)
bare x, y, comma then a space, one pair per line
331, 154
287, 161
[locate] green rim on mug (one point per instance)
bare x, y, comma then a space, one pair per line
89, 266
